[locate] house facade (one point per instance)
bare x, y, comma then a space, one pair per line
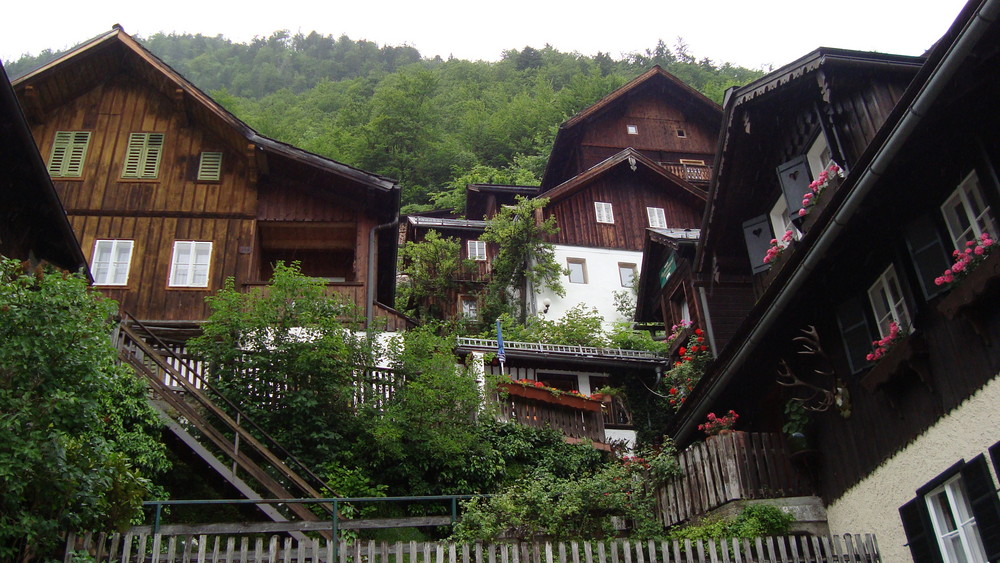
170, 195
859, 314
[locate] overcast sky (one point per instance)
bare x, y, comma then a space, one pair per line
744, 32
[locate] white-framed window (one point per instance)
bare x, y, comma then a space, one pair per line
210, 167
111, 262
967, 214
477, 250
781, 220
470, 307
626, 272
604, 212
142, 157
888, 304
657, 218
681, 133
190, 264
954, 524
577, 270
69, 151
819, 156
632, 129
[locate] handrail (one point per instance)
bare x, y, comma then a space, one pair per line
491, 344
244, 419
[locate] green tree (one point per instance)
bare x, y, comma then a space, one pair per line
284, 355
78, 440
433, 268
524, 262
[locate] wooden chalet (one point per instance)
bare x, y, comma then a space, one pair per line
902, 437
33, 225
169, 194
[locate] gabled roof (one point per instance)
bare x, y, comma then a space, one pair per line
27, 188
579, 181
86, 65
569, 129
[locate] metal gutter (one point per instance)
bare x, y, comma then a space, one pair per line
977, 26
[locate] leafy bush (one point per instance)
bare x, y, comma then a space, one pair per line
755, 520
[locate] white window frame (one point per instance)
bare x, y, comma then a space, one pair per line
210, 166
819, 156
69, 152
190, 273
632, 129
604, 212
469, 307
964, 222
142, 156
962, 543
582, 263
632, 273
888, 302
781, 221
114, 270
657, 217
477, 250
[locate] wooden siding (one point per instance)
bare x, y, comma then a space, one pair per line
629, 194
147, 295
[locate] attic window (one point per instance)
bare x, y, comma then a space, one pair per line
210, 167
632, 129
69, 150
604, 212
142, 157
682, 133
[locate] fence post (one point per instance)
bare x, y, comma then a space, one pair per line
336, 531
156, 519
454, 511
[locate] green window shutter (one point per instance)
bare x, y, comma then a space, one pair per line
210, 167
142, 157
69, 151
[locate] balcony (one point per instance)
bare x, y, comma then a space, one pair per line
726, 468
698, 173
579, 419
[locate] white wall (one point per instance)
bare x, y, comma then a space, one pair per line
873, 504
603, 281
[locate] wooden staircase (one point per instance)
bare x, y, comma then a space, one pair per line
182, 397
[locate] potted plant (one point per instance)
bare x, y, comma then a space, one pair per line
796, 423
606, 393
719, 425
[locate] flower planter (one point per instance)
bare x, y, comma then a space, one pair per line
970, 296
545, 396
908, 356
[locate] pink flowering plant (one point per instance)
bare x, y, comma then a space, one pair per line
966, 260
676, 331
882, 346
716, 424
778, 246
539, 385
818, 186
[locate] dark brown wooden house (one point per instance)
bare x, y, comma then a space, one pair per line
904, 440
169, 194
33, 225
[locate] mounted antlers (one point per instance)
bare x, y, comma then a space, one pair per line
821, 398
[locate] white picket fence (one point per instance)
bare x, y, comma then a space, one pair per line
188, 548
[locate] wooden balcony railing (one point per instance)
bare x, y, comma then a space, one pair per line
577, 418
735, 466
690, 172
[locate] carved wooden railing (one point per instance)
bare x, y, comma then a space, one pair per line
690, 172
725, 468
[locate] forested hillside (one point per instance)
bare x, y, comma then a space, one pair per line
433, 124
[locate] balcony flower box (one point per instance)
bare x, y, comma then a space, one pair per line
970, 296
909, 355
545, 396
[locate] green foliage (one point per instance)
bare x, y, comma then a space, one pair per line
433, 270
546, 505
796, 418
524, 260
78, 439
755, 520
679, 380
623, 336
282, 355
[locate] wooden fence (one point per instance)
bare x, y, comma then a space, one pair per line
736, 466
145, 548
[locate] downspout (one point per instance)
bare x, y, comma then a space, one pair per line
917, 109
370, 281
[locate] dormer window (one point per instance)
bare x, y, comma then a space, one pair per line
632, 129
